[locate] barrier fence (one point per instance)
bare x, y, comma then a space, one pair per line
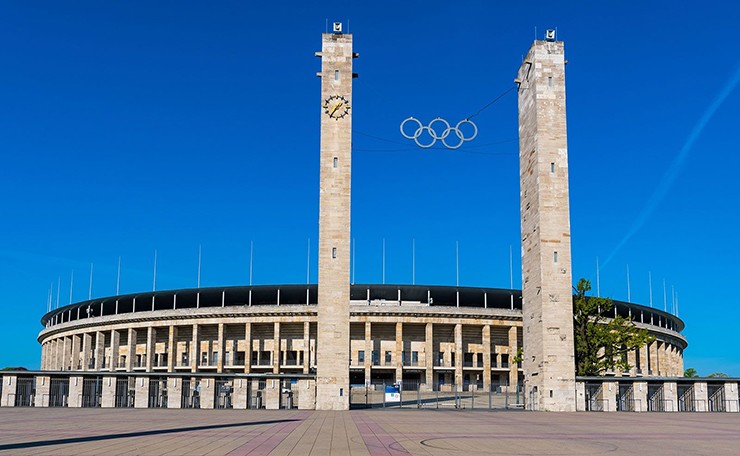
419, 395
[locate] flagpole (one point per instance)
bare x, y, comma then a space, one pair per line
71, 282
118, 277
89, 292
200, 252
154, 281
383, 261
650, 286
413, 261
598, 279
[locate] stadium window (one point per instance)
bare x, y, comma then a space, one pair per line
336, 162
333, 252
549, 81
552, 167
361, 356
555, 256
336, 75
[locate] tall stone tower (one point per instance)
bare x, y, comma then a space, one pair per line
549, 364
332, 351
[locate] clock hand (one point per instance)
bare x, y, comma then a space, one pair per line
337, 106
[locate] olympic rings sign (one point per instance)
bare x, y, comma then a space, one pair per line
439, 130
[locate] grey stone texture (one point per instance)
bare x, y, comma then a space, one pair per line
545, 222
332, 374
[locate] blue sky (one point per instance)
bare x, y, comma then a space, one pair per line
132, 126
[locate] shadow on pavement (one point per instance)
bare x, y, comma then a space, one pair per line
96, 438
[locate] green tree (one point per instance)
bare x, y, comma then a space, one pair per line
690, 372
601, 340
718, 375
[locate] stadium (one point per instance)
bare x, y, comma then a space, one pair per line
335, 345
433, 338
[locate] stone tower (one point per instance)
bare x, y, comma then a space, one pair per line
549, 364
332, 351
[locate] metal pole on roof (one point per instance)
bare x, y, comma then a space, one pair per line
71, 282
118, 278
383, 261
154, 282
457, 263
629, 294
598, 279
308, 261
200, 251
59, 289
251, 255
413, 261
665, 298
89, 291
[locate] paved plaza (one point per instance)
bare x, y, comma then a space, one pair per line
367, 432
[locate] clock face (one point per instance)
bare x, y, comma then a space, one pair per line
336, 107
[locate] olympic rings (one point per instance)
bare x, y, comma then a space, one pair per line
445, 133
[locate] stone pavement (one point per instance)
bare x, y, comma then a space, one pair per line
372, 432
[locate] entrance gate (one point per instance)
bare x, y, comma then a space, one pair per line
58, 392
157, 393
92, 391
25, 391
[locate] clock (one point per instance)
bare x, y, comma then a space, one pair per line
336, 107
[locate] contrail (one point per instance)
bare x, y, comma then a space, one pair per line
672, 173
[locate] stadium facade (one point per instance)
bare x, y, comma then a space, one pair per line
314, 346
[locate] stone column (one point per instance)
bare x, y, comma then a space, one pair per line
545, 228
701, 397
640, 393
86, 351
151, 337
131, 358
76, 353
513, 349
42, 391
670, 395
115, 340
653, 354
486, 339
631, 360
221, 351
429, 356
174, 391
141, 392
306, 347
276, 349
333, 344
207, 392
644, 360
609, 392
99, 350
307, 394
368, 352
248, 350
171, 353
272, 394
399, 352
66, 354
10, 383
458, 357
731, 397
580, 397
108, 393
75, 392
194, 350
241, 392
